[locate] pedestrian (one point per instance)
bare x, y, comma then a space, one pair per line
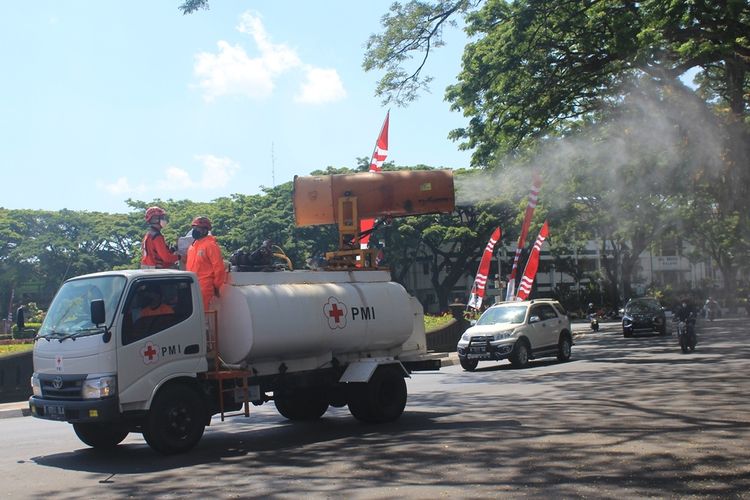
155, 253
204, 259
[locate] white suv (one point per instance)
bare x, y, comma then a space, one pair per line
519, 331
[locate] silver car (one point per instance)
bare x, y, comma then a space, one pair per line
518, 331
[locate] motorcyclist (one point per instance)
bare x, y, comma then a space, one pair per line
593, 316
710, 308
685, 311
591, 311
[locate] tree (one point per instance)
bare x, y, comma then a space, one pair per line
536, 70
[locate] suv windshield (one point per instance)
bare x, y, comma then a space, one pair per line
642, 306
70, 311
503, 314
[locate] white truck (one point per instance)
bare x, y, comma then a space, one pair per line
133, 351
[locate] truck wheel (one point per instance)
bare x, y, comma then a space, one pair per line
564, 347
382, 399
519, 358
468, 364
176, 420
100, 436
300, 405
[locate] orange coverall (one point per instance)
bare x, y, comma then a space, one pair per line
204, 259
155, 251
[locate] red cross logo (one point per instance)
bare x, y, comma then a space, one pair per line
335, 312
150, 353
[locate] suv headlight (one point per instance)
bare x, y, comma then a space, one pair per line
100, 387
504, 335
36, 386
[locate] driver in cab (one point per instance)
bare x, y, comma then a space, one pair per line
151, 304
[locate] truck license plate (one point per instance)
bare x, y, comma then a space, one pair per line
54, 412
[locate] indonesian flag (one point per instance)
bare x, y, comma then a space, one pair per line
536, 185
376, 165
524, 288
480, 282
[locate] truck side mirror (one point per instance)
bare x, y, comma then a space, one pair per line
20, 320
98, 315
533, 319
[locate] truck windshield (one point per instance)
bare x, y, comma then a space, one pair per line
503, 314
69, 314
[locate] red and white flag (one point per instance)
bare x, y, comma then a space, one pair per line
376, 165
536, 186
480, 282
529, 274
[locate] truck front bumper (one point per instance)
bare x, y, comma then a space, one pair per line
95, 410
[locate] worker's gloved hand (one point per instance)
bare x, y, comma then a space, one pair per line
216, 291
173, 248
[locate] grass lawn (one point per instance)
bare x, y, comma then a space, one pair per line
15, 348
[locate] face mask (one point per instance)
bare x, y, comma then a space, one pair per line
198, 233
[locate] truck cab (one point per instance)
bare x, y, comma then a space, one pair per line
110, 341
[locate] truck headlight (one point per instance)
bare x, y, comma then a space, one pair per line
100, 387
36, 387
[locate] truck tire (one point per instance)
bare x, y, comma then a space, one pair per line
300, 405
176, 420
100, 436
380, 400
519, 358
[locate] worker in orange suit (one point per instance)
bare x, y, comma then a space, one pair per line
204, 259
155, 253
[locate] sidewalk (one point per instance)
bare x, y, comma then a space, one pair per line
11, 410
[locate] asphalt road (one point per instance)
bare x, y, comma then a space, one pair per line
624, 418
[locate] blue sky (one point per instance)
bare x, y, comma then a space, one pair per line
104, 101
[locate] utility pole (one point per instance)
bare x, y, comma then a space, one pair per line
273, 167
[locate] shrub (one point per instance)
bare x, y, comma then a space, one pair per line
28, 333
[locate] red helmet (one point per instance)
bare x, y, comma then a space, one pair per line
154, 212
203, 222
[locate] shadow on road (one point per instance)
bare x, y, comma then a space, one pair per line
624, 418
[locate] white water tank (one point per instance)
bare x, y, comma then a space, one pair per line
291, 315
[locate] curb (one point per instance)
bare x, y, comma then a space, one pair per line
13, 410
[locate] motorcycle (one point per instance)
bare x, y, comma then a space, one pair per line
686, 334
594, 322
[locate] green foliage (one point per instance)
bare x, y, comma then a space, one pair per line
434, 322
33, 314
8, 349
190, 6
29, 332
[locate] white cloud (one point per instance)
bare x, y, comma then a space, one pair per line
176, 179
231, 71
120, 186
321, 85
216, 174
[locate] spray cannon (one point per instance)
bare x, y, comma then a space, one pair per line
345, 199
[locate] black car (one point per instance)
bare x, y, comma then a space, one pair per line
643, 315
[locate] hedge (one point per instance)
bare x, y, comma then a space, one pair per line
28, 333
